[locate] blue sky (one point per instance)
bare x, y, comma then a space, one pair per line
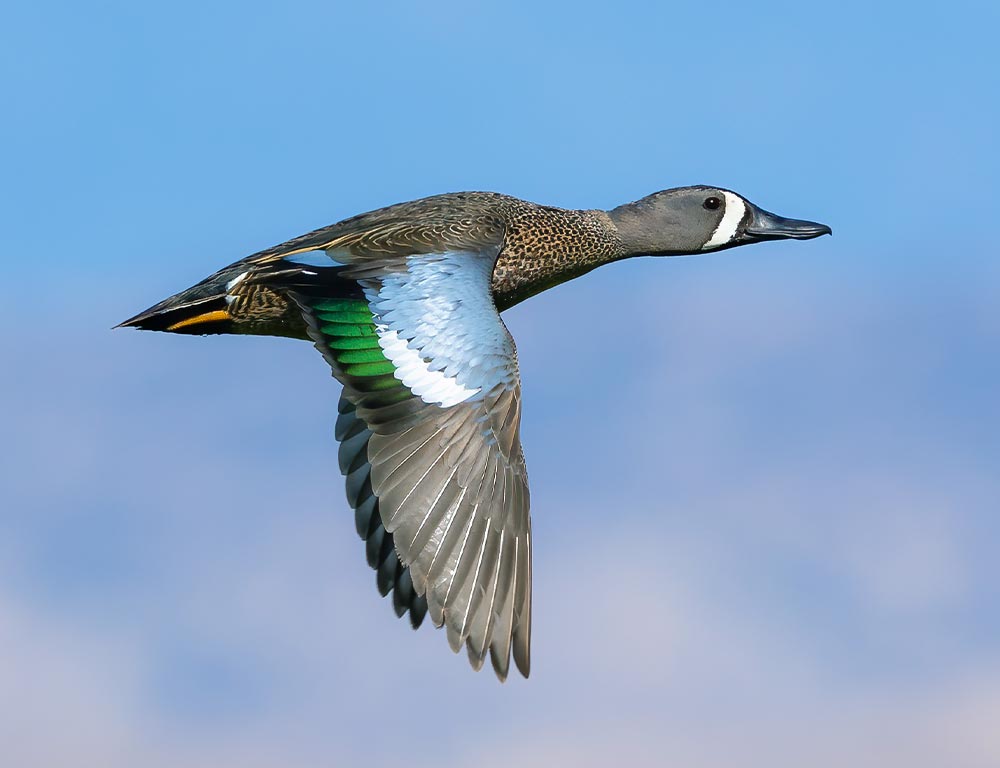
764, 481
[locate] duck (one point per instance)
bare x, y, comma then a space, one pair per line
404, 303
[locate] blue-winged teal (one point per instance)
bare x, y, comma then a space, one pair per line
404, 304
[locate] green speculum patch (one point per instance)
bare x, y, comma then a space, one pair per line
349, 330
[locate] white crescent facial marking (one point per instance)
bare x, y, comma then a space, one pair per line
735, 211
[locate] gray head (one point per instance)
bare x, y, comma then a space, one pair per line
693, 219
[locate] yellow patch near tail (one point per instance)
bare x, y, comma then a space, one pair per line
205, 317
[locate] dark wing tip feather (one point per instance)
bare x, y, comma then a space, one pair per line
418, 609
380, 551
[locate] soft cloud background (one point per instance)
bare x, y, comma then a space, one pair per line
765, 482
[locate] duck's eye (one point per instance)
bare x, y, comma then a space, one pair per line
711, 203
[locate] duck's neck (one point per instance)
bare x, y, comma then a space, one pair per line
638, 234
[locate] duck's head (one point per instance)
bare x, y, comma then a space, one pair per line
690, 220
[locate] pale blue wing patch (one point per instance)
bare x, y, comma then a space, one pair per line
438, 325
316, 258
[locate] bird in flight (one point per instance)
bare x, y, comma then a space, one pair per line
404, 304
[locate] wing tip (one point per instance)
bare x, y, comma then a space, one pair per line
522, 656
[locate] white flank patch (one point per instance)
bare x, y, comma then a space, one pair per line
437, 324
236, 280
232, 284
735, 211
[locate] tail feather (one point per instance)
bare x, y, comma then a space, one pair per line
206, 315
202, 308
246, 298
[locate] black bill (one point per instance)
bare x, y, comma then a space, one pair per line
764, 225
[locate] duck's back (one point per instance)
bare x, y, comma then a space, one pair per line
539, 247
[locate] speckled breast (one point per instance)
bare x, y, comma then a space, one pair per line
544, 247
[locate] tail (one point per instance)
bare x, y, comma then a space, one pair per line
202, 308
248, 297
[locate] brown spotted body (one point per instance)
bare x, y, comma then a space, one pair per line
540, 246
544, 247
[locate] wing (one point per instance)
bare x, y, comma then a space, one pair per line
429, 432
